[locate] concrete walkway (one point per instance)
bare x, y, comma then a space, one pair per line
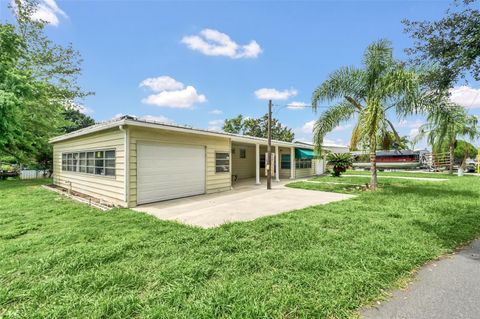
432, 179
245, 202
446, 289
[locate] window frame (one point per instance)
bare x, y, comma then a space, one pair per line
305, 163
243, 151
284, 162
222, 159
262, 161
74, 162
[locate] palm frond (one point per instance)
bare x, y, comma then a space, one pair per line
394, 131
356, 136
346, 81
330, 119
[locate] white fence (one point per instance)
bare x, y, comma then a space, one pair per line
33, 174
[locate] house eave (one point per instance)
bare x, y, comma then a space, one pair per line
174, 128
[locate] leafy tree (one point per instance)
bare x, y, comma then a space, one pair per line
445, 125
463, 151
451, 44
38, 78
76, 120
258, 127
368, 94
234, 125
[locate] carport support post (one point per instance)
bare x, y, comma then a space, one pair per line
277, 167
268, 162
292, 163
257, 164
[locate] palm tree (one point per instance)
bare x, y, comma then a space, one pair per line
445, 124
367, 93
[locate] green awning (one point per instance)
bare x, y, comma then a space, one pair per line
304, 153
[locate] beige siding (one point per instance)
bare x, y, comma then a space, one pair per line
215, 182
284, 172
243, 167
305, 172
108, 188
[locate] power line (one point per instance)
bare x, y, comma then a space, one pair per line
293, 107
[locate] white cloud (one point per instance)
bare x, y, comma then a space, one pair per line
47, 11
465, 96
307, 128
297, 105
162, 83
83, 109
216, 112
215, 43
273, 94
413, 133
342, 127
78, 107
171, 93
215, 125
410, 124
413, 126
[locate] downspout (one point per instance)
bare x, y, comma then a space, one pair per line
126, 160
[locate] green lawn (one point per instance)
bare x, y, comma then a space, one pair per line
62, 259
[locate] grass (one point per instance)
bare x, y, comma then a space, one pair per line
59, 258
404, 173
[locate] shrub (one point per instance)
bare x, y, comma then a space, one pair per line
340, 162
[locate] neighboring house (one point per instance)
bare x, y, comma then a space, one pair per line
128, 162
319, 162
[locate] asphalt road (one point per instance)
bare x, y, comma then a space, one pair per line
446, 289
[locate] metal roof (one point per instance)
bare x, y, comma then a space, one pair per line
323, 145
133, 121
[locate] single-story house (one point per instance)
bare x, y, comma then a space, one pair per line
128, 162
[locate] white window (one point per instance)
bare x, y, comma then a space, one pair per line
97, 163
222, 162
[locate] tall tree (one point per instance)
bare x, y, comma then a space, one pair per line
258, 127
234, 125
368, 94
76, 120
38, 78
445, 125
463, 151
450, 44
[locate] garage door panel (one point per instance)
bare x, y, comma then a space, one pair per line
169, 171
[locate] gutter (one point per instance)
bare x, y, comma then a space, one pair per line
126, 161
162, 126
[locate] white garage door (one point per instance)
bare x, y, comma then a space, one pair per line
169, 171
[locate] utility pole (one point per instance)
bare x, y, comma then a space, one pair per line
269, 147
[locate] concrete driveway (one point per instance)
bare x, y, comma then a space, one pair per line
245, 202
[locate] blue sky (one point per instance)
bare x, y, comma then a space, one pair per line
156, 59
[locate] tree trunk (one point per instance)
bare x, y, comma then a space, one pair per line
373, 170
450, 170
464, 161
